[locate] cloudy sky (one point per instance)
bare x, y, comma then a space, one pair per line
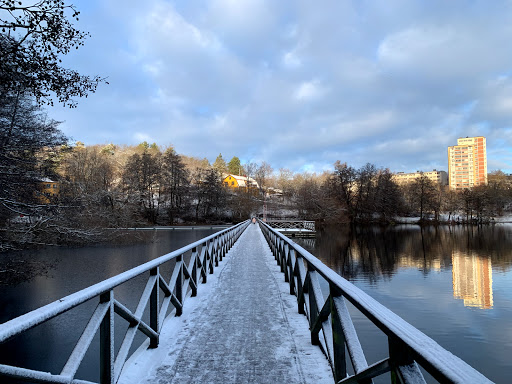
299, 84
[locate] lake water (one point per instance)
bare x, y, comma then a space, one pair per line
452, 283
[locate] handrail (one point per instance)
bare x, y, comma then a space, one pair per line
408, 347
205, 255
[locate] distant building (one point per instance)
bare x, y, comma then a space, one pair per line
235, 182
438, 177
467, 163
48, 189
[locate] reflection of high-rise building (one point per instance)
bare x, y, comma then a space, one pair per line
467, 163
472, 279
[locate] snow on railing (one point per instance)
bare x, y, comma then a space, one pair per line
332, 328
203, 256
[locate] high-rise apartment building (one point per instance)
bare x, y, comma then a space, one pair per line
467, 163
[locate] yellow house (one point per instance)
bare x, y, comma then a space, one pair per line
235, 182
48, 189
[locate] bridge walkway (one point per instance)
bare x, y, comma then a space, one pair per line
243, 327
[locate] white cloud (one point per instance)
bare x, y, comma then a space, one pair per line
141, 136
291, 60
309, 91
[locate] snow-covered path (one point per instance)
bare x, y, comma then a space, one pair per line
243, 327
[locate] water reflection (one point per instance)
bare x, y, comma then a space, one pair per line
472, 279
376, 254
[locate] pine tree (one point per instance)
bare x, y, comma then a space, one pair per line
235, 167
220, 165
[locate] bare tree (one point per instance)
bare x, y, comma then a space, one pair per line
209, 194
262, 173
24, 131
343, 188
388, 197
174, 180
141, 182
422, 192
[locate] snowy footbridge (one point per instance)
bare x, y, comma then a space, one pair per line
246, 325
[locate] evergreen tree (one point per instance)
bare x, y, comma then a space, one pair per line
220, 165
235, 167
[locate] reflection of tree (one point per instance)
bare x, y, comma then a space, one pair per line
376, 253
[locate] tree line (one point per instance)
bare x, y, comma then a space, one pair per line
371, 195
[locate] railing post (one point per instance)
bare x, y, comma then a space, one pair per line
290, 271
215, 248
338, 337
211, 256
204, 261
153, 308
221, 247
301, 284
284, 263
195, 266
179, 284
107, 340
313, 307
281, 254
403, 367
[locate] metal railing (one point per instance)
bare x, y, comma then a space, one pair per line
332, 328
291, 224
204, 255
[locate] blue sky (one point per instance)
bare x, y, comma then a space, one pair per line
298, 84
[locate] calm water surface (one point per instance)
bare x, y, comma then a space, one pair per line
52, 273
452, 283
